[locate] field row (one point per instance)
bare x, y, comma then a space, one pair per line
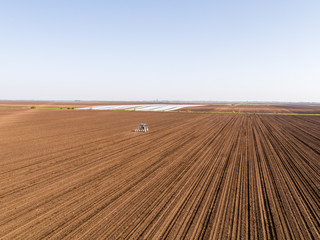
84, 174
259, 108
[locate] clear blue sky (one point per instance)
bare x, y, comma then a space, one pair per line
174, 50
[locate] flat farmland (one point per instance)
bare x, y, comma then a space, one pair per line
293, 108
85, 175
259, 108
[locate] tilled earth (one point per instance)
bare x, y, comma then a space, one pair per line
224, 108
85, 175
259, 108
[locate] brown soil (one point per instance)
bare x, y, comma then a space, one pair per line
47, 104
259, 108
243, 108
85, 175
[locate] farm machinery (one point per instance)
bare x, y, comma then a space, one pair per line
142, 128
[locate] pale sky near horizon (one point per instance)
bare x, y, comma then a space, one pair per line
166, 50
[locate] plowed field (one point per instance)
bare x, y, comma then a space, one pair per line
85, 175
259, 108
220, 108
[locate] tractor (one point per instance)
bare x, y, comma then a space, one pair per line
143, 128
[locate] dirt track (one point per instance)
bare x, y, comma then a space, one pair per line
84, 174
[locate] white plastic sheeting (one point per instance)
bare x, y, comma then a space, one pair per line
142, 107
